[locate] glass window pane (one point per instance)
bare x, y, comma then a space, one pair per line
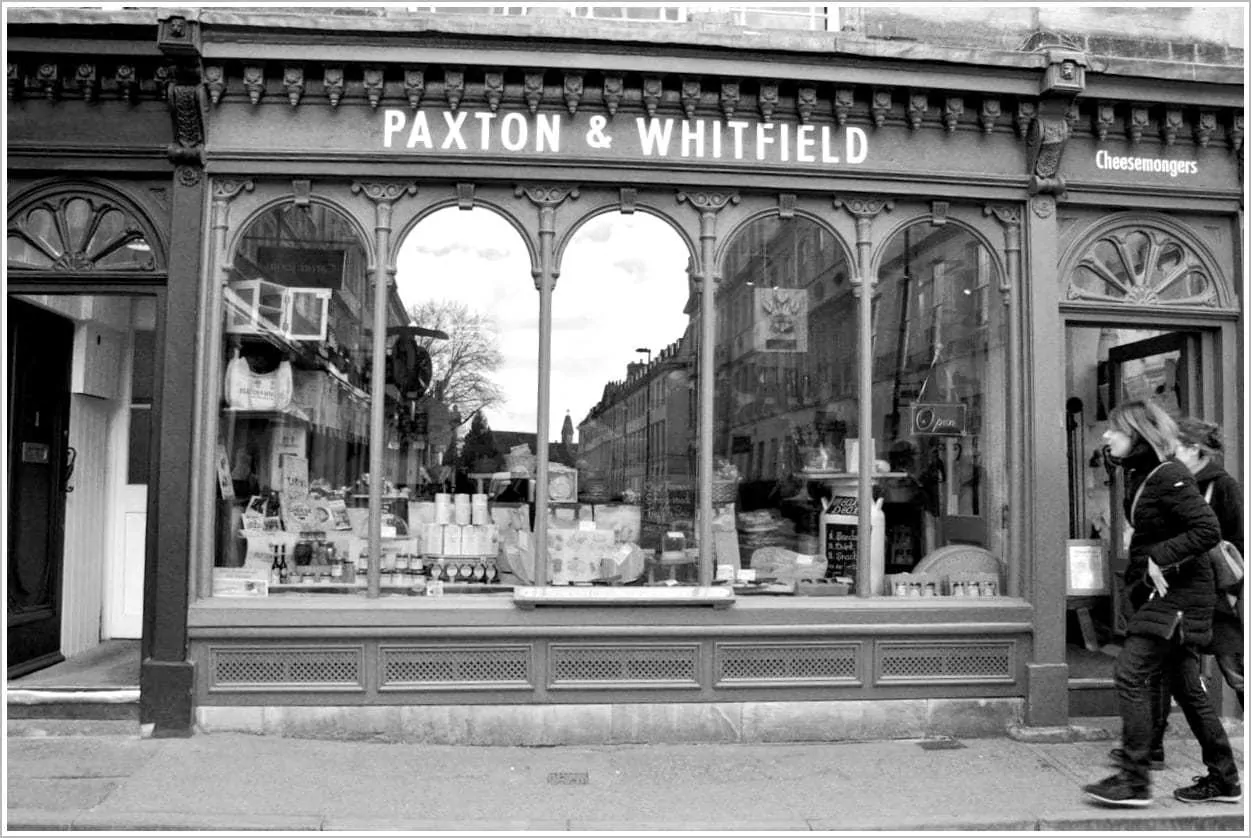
623, 384
137, 444
940, 416
294, 443
462, 405
142, 366
785, 412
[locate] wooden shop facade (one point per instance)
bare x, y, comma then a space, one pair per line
833, 506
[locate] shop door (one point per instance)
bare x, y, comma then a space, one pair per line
1162, 369
40, 346
124, 608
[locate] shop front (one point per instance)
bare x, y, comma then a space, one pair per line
808, 486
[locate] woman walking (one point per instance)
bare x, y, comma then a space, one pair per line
1170, 586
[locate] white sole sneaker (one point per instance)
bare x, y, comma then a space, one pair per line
1128, 803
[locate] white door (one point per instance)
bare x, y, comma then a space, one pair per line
132, 429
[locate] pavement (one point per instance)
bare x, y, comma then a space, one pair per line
238, 782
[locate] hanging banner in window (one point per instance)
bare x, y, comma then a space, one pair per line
781, 320
302, 267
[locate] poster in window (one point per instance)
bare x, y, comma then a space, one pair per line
1086, 568
780, 320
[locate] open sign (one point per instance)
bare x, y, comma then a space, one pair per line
939, 419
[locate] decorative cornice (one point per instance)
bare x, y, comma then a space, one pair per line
708, 202
226, 188
545, 195
384, 191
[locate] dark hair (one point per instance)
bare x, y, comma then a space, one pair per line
1204, 435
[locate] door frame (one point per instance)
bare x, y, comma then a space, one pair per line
18, 284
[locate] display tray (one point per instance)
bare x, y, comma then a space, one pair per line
827, 475
753, 588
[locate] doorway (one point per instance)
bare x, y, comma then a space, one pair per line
1106, 366
81, 375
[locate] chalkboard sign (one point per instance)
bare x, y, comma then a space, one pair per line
841, 547
843, 505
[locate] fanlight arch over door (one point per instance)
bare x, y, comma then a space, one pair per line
1145, 262
80, 228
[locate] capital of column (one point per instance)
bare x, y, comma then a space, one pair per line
225, 189
384, 191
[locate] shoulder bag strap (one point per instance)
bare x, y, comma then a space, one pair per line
1207, 495
1133, 507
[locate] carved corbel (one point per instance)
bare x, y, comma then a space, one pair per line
493, 89
1065, 73
186, 112
880, 108
414, 85
254, 82
614, 89
375, 82
918, 104
1139, 119
302, 192
767, 100
1235, 133
953, 109
844, 101
293, 83
653, 89
465, 196
786, 205
214, 81
989, 114
49, 79
1205, 128
1044, 148
453, 86
729, 98
692, 89
225, 189
1171, 125
939, 210
573, 91
86, 81
15, 80
1025, 113
1104, 116
332, 81
708, 202
805, 103
533, 90
384, 191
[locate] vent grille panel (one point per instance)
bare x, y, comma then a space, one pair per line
788, 662
460, 666
948, 661
653, 665
284, 667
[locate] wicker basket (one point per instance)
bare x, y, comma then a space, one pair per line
724, 491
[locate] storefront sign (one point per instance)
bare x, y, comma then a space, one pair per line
781, 320
1172, 168
302, 267
484, 132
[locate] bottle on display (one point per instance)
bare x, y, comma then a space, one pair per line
275, 571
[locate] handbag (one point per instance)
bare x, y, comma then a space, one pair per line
1227, 565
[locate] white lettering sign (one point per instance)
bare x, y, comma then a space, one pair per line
663, 137
1172, 168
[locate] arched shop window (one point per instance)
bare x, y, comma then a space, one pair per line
939, 407
73, 232
785, 409
1144, 265
293, 444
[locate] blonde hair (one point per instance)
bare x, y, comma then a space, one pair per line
1146, 421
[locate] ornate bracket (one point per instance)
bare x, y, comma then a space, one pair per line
614, 89
805, 103
1104, 116
414, 85
767, 101
1235, 133
293, 83
87, 82
533, 90
465, 196
864, 210
49, 79
989, 114
1044, 146
226, 188
573, 91
729, 98
15, 81
1171, 126
629, 200
786, 205
254, 82
709, 202
1025, 113
374, 81
918, 104
881, 105
844, 101
692, 89
493, 89
1139, 118
334, 84
653, 89
546, 197
1205, 128
952, 111
214, 81
453, 86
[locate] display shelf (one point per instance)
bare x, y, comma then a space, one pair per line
246, 413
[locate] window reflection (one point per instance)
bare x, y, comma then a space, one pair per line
938, 397
786, 401
293, 450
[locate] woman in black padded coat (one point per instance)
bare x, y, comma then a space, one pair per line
1169, 580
